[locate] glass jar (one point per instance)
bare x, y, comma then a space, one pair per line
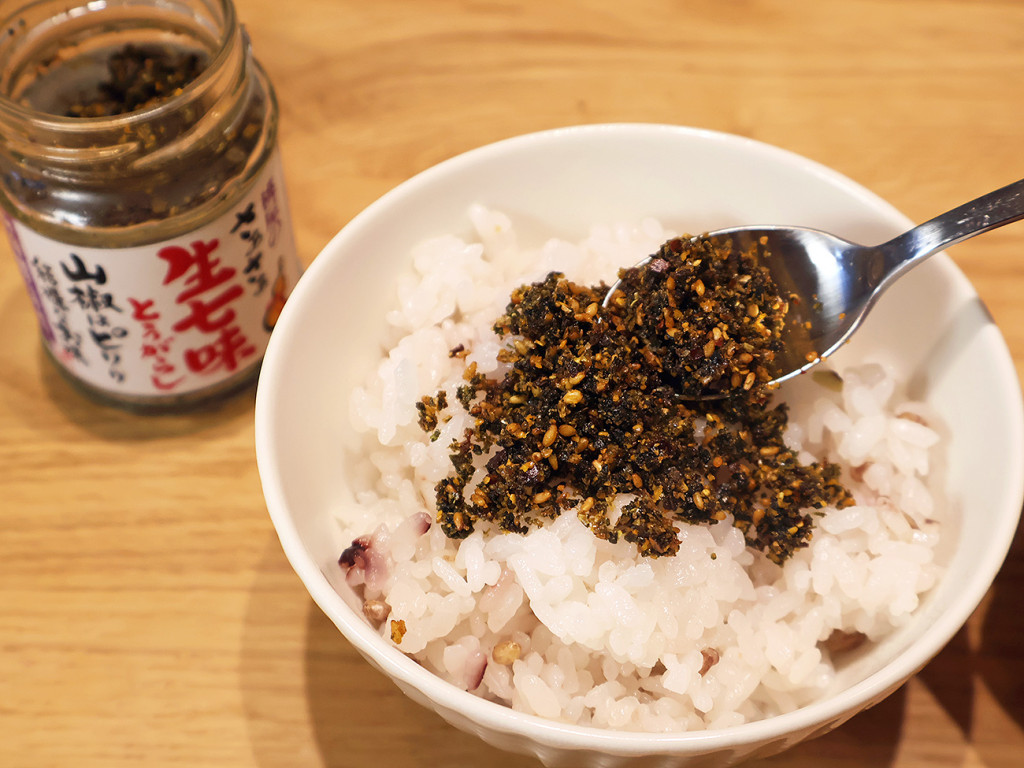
142, 194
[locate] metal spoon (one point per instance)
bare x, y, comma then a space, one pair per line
838, 282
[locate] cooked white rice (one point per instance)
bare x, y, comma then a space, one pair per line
569, 627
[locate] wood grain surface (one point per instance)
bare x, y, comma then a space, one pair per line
147, 614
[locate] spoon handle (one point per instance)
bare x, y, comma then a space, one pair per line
1003, 206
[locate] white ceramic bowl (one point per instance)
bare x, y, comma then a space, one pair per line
931, 324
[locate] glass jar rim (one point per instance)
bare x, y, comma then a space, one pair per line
229, 34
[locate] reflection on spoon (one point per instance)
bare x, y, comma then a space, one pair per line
831, 284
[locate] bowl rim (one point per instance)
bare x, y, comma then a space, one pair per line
829, 711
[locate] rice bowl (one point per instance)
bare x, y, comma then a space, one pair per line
558, 623
306, 498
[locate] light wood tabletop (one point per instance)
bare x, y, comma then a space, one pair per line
147, 613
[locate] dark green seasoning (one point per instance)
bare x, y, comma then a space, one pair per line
138, 77
596, 403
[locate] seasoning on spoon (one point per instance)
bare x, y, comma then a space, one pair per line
832, 283
705, 314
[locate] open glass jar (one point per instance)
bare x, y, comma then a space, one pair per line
142, 194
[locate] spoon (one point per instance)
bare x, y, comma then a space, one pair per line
836, 283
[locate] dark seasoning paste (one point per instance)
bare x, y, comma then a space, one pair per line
590, 408
133, 78
139, 76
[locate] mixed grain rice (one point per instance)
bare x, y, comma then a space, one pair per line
564, 625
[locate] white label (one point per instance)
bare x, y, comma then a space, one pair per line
172, 317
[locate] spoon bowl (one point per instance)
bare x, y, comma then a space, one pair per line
832, 283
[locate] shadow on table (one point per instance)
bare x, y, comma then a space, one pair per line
354, 716
72, 409
348, 700
360, 718
325, 707
999, 662
117, 424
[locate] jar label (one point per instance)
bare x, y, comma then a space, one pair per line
170, 318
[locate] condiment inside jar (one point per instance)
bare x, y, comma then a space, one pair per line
143, 195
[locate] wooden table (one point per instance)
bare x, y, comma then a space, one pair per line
147, 614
